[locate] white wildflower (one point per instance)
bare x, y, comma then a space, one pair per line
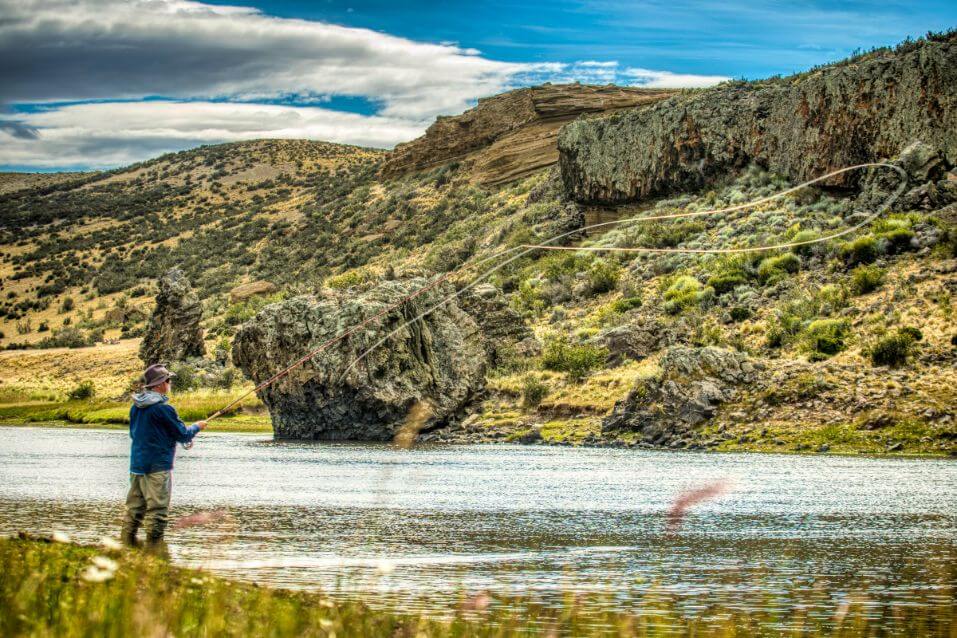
94, 575
111, 543
60, 537
105, 563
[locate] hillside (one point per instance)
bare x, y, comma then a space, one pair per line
844, 345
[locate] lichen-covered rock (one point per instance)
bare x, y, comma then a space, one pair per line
438, 360
640, 338
801, 126
692, 383
174, 331
251, 289
504, 331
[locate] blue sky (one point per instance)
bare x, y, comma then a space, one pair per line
103, 83
751, 39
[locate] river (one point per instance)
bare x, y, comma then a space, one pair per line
420, 528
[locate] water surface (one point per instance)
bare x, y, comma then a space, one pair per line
421, 528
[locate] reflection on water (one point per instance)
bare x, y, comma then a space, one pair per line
419, 527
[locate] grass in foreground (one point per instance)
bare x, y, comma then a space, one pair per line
58, 589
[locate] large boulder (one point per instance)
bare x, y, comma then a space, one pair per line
243, 292
174, 332
437, 362
802, 126
692, 384
640, 338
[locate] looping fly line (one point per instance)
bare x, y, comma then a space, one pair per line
520, 251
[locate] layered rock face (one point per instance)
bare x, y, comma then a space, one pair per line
174, 331
692, 384
438, 361
801, 126
503, 330
512, 134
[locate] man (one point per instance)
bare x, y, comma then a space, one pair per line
155, 429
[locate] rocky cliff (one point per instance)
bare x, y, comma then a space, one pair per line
800, 126
438, 362
174, 332
512, 134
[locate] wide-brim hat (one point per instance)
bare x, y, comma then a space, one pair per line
156, 374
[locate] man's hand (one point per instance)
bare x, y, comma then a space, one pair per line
201, 424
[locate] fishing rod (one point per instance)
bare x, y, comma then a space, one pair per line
521, 250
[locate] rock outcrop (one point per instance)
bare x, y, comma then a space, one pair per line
640, 338
438, 361
174, 332
504, 331
243, 292
512, 134
693, 382
802, 126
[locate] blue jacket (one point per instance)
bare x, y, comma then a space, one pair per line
155, 429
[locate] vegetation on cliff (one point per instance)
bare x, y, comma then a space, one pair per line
855, 335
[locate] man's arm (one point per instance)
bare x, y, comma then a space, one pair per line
180, 432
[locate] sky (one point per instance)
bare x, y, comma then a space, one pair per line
95, 84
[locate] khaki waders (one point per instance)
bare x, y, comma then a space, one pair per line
147, 504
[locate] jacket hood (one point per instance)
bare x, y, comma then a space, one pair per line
147, 398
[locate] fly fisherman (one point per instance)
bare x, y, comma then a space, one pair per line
155, 429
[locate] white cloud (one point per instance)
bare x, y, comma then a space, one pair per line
667, 79
103, 49
191, 53
106, 134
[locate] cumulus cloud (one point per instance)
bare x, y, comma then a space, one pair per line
667, 79
106, 134
106, 49
211, 64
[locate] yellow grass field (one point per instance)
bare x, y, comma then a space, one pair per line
34, 387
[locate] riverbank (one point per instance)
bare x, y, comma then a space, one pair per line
65, 589
249, 416
907, 439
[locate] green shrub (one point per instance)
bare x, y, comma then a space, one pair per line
84, 390
773, 269
726, 281
529, 299
685, 293
862, 250
576, 360
826, 337
865, 279
534, 390
740, 313
625, 304
603, 276
831, 298
912, 332
556, 267
803, 236
894, 348
783, 328
348, 279
68, 337
898, 240
668, 234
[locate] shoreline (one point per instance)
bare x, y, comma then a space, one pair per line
256, 428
